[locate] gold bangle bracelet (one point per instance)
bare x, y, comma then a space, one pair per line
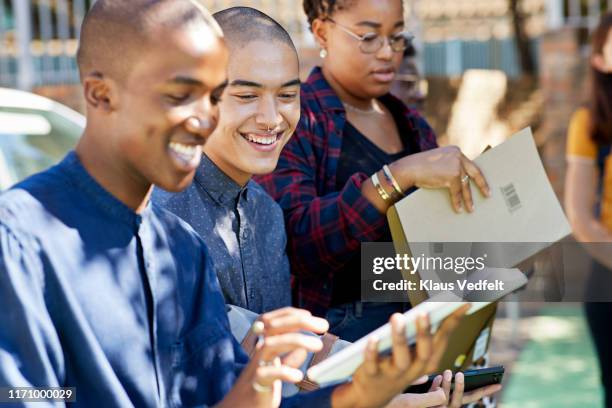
392, 180
381, 191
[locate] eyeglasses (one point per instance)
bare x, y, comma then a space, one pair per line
370, 43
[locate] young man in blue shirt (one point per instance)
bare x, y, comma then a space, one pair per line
102, 291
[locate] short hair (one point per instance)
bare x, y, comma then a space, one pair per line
242, 25
115, 32
323, 8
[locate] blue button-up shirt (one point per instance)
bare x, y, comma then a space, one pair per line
123, 306
244, 230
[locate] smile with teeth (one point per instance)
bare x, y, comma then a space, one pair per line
260, 139
185, 152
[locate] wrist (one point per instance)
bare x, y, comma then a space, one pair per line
403, 172
344, 396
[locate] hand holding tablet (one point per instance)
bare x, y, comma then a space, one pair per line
340, 366
380, 378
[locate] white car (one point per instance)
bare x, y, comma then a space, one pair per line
35, 133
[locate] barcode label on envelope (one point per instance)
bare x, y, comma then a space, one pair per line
513, 201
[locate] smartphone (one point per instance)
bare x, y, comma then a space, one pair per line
473, 379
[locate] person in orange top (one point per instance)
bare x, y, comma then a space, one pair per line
584, 156
588, 198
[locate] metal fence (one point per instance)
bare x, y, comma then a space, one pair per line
38, 38
38, 41
453, 57
576, 13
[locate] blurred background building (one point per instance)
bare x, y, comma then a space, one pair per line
38, 40
38, 37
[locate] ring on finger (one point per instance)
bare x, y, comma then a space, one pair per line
258, 327
261, 388
465, 179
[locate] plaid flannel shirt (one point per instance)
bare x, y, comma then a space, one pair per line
325, 227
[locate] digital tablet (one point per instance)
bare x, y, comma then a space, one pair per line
340, 366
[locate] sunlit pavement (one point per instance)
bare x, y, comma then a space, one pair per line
549, 358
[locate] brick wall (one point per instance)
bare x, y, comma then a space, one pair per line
563, 80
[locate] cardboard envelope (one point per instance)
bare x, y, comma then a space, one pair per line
523, 210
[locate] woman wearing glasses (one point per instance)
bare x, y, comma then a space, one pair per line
356, 151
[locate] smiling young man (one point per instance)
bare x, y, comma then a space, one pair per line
240, 223
242, 226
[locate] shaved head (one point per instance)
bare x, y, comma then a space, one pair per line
152, 72
243, 25
115, 33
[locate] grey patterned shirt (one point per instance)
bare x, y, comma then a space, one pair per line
244, 230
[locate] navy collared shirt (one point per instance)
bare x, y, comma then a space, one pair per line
244, 230
123, 306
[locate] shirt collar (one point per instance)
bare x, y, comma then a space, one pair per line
219, 186
325, 93
103, 199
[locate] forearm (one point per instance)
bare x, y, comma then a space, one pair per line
594, 236
596, 240
589, 229
328, 230
402, 171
